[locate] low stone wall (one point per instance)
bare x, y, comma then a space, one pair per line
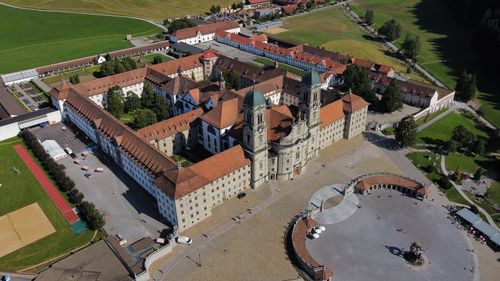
161, 252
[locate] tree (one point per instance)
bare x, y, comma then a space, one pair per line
143, 118
391, 100
160, 108
132, 102
214, 9
478, 147
411, 46
178, 24
232, 79
147, 97
390, 29
158, 59
457, 175
466, 87
443, 182
463, 136
356, 79
369, 17
478, 173
115, 101
406, 131
452, 146
74, 79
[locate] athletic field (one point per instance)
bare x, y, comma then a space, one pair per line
31, 39
22, 227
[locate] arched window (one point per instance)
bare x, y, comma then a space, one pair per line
259, 119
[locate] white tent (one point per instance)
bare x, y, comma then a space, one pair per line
54, 149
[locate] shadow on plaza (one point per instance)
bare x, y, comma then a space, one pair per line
138, 198
382, 141
395, 250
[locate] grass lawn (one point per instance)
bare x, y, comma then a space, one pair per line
388, 131
330, 28
31, 38
281, 66
429, 117
447, 47
20, 190
420, 160
442, 129
83, 72
150, 57
468, 164
151, 9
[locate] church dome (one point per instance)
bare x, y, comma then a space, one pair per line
254, 99
311, 78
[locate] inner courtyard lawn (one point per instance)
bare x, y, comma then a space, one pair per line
331, 28
21, 189
447, 47
31, 38
149, 9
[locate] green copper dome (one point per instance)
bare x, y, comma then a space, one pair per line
254, 99
311, 78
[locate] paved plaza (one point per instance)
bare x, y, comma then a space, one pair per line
369, 244
228, 51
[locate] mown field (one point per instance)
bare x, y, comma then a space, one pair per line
19, 190
30, 38
330, 28
150, 9
447, 47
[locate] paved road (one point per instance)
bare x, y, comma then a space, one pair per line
92, 14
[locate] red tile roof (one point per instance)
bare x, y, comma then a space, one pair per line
223, 115
97, 86
368, 182
331, 112
222, 163
352, 102
279, 122
204, 29
170, 126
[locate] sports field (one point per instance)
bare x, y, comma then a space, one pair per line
22, 227
447, 47
330, 28
30, 38
19, 188
150, 9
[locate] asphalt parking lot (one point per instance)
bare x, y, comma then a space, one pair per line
228, 51
128, 209
366, 246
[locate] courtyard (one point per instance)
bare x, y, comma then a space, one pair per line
128, 209
369, 244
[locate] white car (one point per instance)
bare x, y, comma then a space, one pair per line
316, 230
183, 240
313, 235
320, 227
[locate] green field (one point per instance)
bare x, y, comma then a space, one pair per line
424, 159
19, 190
447, 47
30, 39
150, 9
330, 28
442, 129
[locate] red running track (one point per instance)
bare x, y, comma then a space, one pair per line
47, 185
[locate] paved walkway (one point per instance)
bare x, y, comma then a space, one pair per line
462, 193
47, 185
346, 208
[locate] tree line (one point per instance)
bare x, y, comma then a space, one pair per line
56, 171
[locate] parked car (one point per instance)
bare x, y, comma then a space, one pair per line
87, 175
73, 155
68, 150
241, 195
122, 241
183, 240
313, 235
6, 278
320, 227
